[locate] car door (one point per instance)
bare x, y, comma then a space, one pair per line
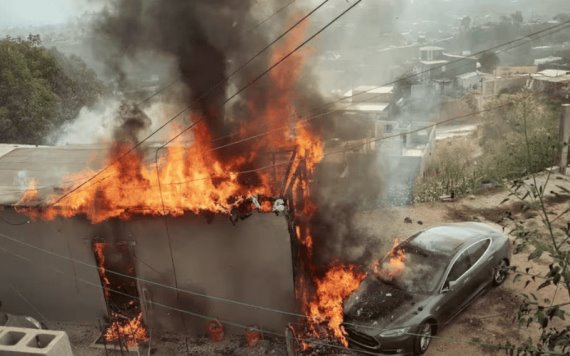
481, 269
455, 287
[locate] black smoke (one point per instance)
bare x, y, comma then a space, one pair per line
205, 39
341, 191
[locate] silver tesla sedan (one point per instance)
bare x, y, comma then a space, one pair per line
444, 269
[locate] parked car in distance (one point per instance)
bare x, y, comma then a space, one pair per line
442, 271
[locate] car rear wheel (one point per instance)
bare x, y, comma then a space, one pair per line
500, 273
423, 338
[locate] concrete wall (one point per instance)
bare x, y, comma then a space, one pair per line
249, 262
494, 87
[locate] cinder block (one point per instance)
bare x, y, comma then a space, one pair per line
32, 342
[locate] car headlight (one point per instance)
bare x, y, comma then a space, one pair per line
394, 332
34, 322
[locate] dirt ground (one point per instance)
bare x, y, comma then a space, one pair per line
490, 320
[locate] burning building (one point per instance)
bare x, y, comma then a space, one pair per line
243, 217
60, 263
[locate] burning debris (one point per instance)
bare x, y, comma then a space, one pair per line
127, 331
126, 328
331, 291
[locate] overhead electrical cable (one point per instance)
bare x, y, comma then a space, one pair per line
202, 96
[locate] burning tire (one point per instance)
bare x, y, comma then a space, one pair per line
423, 338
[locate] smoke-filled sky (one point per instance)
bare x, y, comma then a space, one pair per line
17, 13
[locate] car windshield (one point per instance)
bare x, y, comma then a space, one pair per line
412, 268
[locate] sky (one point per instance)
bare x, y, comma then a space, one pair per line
21, 13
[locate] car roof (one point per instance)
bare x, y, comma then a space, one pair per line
448, 239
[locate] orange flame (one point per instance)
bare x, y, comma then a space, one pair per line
195, 179
99, 247
336, 285
131, 332
31, 193
393, 266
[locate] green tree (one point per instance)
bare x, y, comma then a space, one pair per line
520, 117
40, 89
489, 61
551, 239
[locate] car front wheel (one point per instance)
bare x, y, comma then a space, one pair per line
423, 338
500, 273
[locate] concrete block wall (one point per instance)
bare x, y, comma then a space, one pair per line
22, 341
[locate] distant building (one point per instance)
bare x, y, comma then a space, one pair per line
492, 86
546, 60
431, 53
509, 71
547, 51
435, 64
362, 108
370, 94
470, 81
506, 78
555, 82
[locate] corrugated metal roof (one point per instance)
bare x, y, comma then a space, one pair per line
47, 165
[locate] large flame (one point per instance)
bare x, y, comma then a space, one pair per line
127, 331
196, 178
331, 291
99, 251
393, 265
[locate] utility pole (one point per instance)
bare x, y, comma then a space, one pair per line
564, 136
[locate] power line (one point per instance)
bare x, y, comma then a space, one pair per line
556, 28
146, 281
544, 33
241, 326
351, 148
194, 102
357, 145
261, 75
261, 23
184, 311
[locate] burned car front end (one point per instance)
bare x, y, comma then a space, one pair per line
384, 319
395, 341
422, 284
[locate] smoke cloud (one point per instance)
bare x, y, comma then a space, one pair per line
205, 41
203, 38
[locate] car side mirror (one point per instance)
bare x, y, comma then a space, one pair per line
448, 287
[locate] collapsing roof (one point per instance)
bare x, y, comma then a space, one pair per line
48, 165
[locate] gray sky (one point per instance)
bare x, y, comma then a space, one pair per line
40, 12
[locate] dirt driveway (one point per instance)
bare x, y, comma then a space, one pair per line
490, 320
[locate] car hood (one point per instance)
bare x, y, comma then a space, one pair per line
381, 305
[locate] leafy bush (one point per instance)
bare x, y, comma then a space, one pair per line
40, 89
453, 171
504, 132
502, 151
